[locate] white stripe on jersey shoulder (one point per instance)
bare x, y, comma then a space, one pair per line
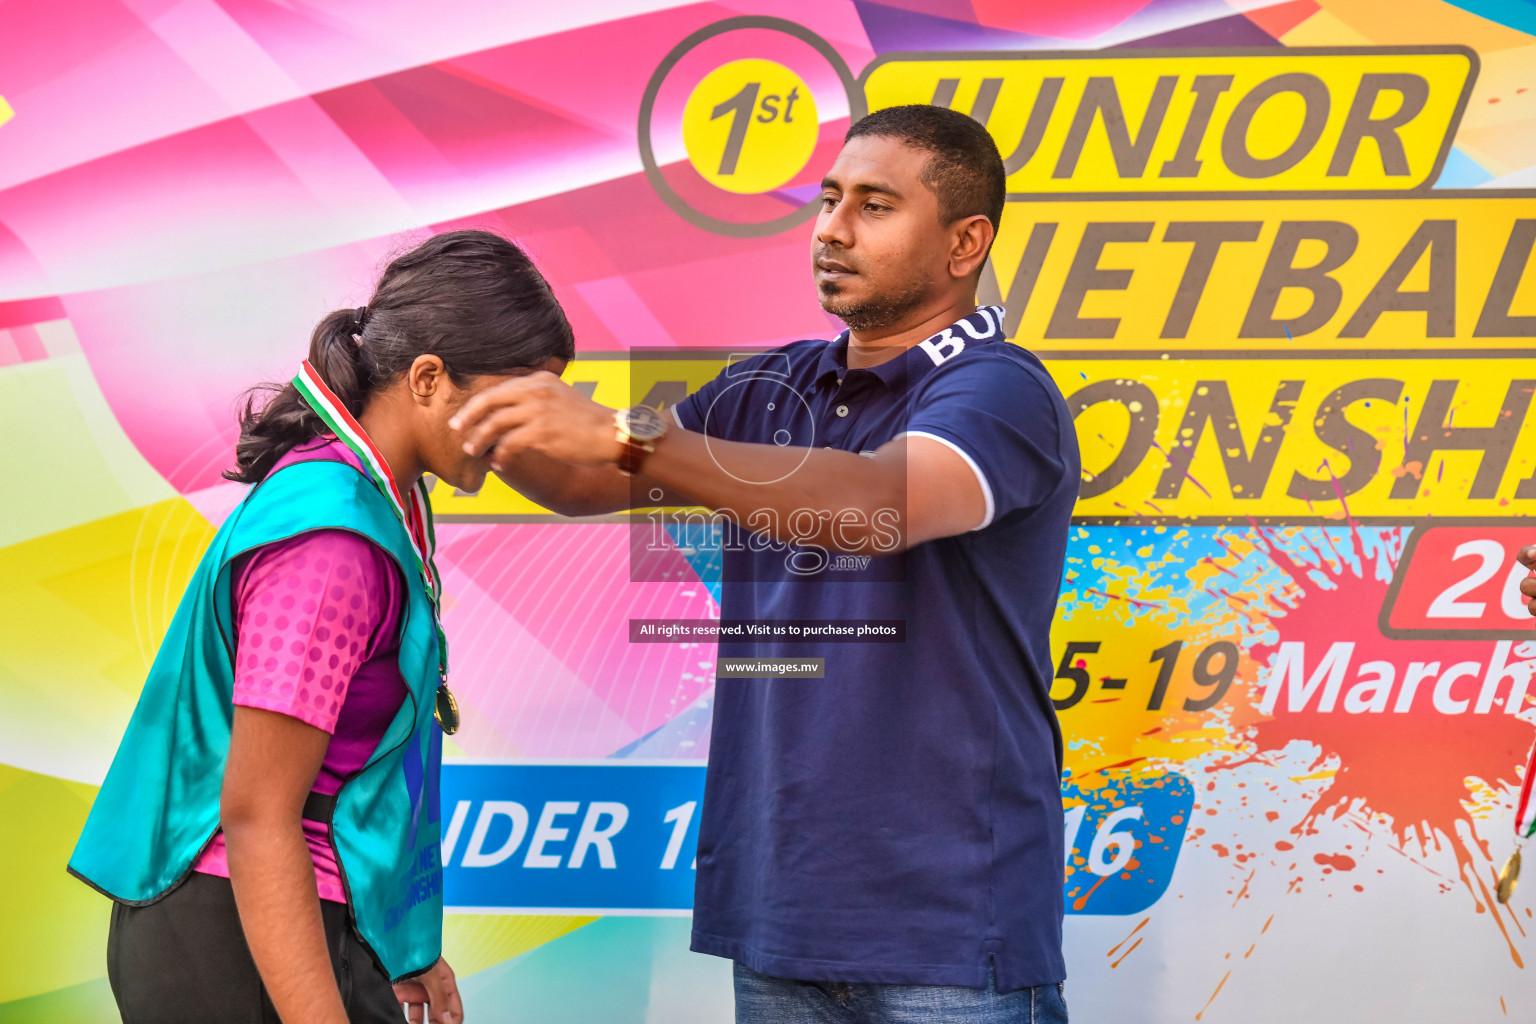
981, 478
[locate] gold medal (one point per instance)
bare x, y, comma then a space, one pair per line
1509, 876
447, 711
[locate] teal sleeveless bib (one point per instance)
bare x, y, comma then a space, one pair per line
159, 806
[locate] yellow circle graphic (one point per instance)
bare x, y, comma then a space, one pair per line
750, 126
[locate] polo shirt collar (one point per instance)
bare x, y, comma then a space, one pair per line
984, 325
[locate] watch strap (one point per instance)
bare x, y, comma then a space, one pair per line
633, 454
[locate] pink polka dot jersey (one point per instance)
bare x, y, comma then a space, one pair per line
317, 622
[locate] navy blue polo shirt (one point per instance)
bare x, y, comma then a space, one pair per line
898, 821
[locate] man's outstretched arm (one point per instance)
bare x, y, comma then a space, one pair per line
559, 448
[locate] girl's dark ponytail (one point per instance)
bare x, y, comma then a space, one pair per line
470, 297
336, 353
276, 419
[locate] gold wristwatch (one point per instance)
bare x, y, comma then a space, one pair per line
639, 428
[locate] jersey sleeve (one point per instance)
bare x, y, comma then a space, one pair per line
1005, 419
692, 412
308, 612
752, 369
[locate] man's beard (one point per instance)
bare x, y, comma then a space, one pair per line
874, 313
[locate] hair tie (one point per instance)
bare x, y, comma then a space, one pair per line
359, 321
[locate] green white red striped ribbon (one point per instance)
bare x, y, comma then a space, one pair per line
1525, 810
415, 514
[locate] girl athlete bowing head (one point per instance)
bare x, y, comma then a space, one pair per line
269, 827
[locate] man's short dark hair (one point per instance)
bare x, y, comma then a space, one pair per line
964, 169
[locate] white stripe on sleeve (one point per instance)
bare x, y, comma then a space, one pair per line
981, 478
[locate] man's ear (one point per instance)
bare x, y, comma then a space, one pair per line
426, 376
971, 239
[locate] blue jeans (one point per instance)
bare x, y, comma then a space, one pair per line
761, 999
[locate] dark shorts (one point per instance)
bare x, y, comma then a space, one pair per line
183, 960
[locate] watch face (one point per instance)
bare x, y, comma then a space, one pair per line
644, 423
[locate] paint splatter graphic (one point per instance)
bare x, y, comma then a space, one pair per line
1417, 771
1418, 780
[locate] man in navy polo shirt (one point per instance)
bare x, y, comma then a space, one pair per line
885, 842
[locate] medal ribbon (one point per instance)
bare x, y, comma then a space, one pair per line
1525, 828
1525, 810
416, 516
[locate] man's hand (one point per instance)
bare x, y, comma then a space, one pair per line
1527, 558
537, 413
436, 991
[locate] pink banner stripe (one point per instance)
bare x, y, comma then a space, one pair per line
31, 311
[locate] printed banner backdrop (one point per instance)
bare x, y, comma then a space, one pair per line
1278, 257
